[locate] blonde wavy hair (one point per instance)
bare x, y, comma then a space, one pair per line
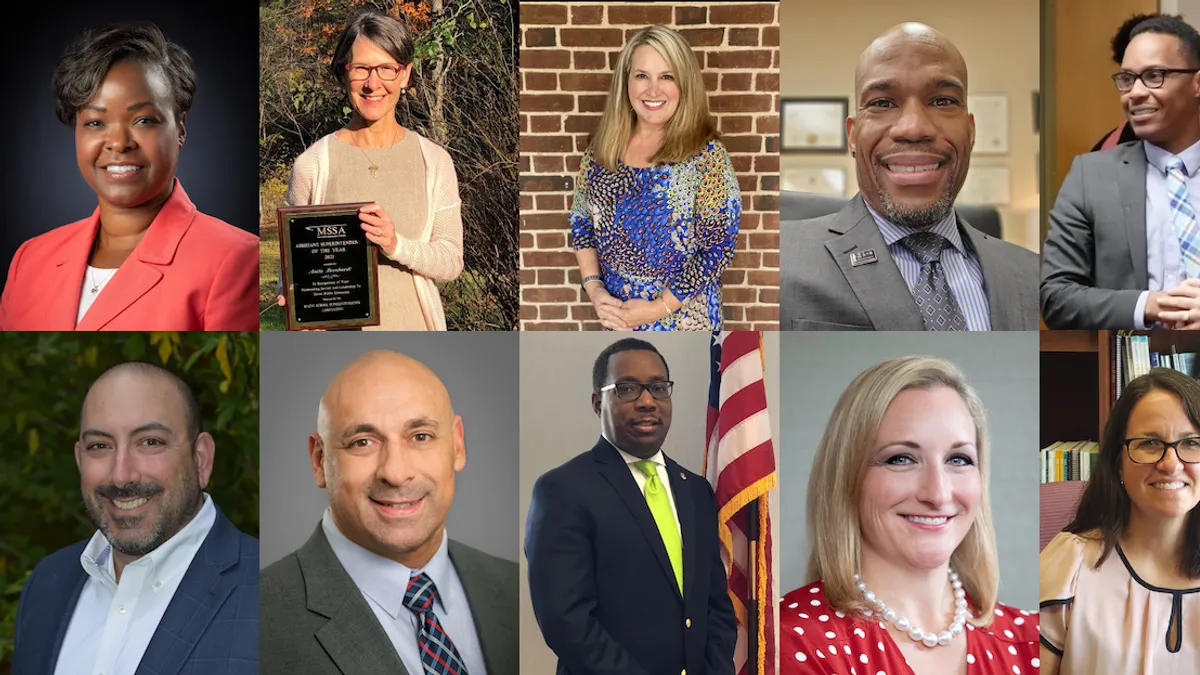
835, 484
689, 129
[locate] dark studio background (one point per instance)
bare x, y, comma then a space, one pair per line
218, 165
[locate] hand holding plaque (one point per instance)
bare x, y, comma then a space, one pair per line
330, 279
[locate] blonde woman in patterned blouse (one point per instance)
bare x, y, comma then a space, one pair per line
415, 212
657, 206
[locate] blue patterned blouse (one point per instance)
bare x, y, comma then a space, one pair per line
668, 226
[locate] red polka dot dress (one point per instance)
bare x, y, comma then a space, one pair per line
816, 640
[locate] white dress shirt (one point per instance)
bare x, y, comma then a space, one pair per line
383, 581
92, 276
660, 467
1164, 257
114, 622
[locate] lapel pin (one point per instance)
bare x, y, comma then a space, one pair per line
681, 476
863, 257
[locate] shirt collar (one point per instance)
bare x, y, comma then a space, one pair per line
1158, 157
892, 233
657, 458
385, 580
162, 564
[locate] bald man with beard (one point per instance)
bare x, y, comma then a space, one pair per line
897, 257
379, 587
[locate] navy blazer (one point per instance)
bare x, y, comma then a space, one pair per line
210, 626
601, 584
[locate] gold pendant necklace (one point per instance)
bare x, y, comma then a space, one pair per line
374, 167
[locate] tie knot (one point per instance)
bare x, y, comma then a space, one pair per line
927, 246
420, 593
1175, 163
647, 468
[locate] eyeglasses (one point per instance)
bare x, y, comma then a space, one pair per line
632, 391
1153, 78
387, 72
1152, 450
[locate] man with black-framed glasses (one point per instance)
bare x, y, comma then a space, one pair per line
625, 571
1123, 250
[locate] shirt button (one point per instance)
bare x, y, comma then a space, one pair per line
687, 623
157, 585
120, 610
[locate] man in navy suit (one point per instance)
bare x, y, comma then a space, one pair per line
625, 570
167, 585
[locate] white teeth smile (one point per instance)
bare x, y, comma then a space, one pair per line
912, 169
928, 521
122, 168
1176, 485
654, 105
127, 506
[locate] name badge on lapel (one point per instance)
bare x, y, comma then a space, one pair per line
863, 257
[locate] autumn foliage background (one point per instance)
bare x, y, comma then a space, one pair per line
463, 96
43, 380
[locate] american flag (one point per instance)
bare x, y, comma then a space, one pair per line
740, 465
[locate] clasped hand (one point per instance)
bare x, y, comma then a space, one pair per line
623, 315
1179, 307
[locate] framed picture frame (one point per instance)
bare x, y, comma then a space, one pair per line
991, 123
813, 124
987, 185
820, 180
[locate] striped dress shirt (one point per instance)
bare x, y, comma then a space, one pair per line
959, 262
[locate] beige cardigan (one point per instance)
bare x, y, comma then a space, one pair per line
438, 254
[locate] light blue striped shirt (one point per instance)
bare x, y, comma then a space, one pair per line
960, 264
1164, 259
383, 582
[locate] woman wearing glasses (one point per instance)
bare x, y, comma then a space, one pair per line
414, 215
657, 205
1120, 588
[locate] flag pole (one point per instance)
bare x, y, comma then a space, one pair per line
753, 648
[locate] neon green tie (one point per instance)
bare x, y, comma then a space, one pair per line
660, 508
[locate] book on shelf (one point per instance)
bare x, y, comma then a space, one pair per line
1132, 358
1068, 460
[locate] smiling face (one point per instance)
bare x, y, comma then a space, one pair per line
638, 427
1169, 116
141, 473
921, 488
127, 139
653, 87
375, 98
912, 135
1167, 489
387, 448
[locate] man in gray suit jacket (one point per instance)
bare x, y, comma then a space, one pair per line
1123, 250
896, 257
379, 587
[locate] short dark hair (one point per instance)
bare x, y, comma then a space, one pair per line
191, 407
388, 33
82, 68
1105, 504
1170, 24
600, 368
1121, 40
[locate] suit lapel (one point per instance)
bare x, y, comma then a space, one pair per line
496, 632
331, 593
687, 520
613, 468
878, 286
203, 589
70, 266
1131, 191
72, 585
1003, 294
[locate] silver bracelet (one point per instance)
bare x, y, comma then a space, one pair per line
664, 302
588, 279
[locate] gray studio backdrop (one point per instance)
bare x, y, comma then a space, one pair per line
480, 372
557, 423
1003, 368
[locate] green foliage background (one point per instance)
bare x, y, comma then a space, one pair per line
43, 379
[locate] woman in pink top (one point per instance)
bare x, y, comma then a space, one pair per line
903, 558
1120, 589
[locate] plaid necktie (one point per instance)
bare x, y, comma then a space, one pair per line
438, 655
1183, 217
938, 308
660, 508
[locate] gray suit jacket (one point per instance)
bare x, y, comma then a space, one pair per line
1094, 260
315, 621
819, 288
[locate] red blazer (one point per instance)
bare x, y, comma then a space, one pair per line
189, 272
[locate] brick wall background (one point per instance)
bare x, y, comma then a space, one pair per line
568, 51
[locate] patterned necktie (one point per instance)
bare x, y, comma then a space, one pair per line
438, 654
932, 293
1183, 217
660, 508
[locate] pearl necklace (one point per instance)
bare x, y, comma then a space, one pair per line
914, 633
